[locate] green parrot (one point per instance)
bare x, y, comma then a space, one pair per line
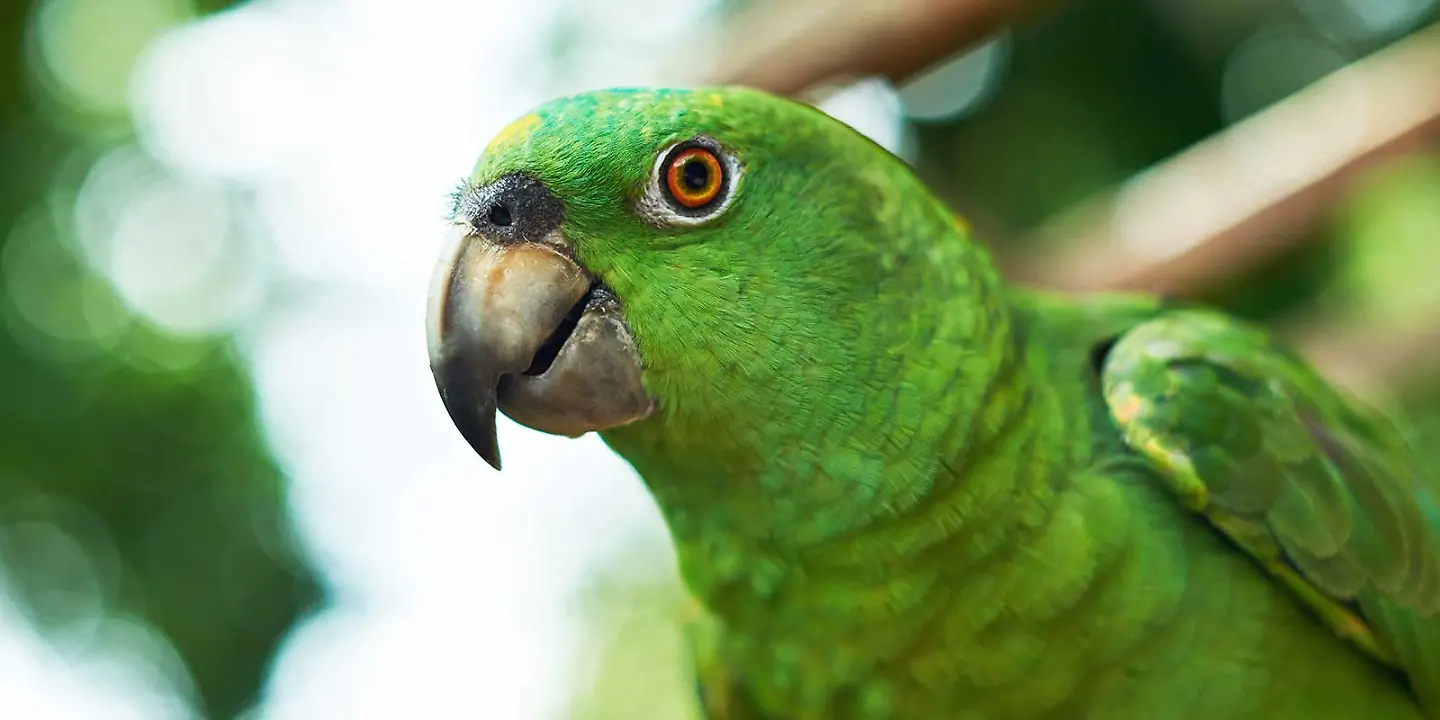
899, 487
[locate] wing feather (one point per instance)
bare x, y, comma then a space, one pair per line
1330, 501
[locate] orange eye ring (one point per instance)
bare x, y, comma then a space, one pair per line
694, 177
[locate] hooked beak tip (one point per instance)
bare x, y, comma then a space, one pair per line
489, 450
471, 409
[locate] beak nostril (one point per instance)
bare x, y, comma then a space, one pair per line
499, 215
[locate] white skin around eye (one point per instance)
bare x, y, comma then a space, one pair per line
658, 209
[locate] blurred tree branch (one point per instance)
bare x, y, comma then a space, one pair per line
1247, 194
793, 47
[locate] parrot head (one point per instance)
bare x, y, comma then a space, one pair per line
719, 262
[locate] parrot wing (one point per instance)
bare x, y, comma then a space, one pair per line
1329, 502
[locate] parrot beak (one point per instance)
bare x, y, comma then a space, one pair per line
515, 324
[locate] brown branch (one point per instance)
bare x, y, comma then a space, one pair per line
794, 47
1245, 195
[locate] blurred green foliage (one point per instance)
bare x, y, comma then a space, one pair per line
133, 477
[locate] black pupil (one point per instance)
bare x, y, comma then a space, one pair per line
695, 174
499, 215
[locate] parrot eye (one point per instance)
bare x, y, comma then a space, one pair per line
693, 177
693, 182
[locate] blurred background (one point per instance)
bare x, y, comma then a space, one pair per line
227, 486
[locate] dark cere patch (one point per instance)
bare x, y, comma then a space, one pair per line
545, 357
514, 208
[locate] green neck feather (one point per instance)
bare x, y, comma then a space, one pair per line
822, 410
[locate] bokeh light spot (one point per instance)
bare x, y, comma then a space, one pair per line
959, 86
873, 108
1365, 20
173, 249
1271, 66
56, 309
90, 46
